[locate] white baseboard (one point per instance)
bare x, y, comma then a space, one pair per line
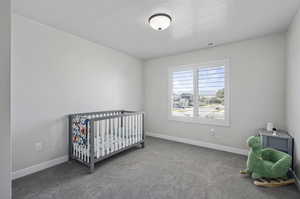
38, 167
199, 143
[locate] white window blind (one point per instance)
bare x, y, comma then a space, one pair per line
183, 93
211, 84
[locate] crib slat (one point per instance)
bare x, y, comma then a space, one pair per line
120, 132
127, 130
141, 129
132, 129
83, 152
138, 126
131, 132
115, 134
95, 137
135, 129
80, 152
85, 147
74, 150
107, 137
101, 138
88, 142
124, 131
98, 139
77, 151
111, 135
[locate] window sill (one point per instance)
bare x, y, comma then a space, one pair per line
224, 123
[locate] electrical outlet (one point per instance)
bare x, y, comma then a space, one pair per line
39, 146
212, 132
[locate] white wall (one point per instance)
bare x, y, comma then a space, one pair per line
293, 85
257, 90
54, 74
5, 143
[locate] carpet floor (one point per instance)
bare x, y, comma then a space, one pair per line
162, 170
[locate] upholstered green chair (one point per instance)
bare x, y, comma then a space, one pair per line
267, 162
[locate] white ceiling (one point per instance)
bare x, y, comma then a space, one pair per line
122, 24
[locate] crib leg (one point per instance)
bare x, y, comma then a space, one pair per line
143, 145
92, 166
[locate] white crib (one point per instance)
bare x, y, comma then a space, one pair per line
96, 136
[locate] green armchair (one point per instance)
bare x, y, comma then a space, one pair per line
266, 163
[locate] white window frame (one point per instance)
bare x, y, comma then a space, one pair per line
195, 118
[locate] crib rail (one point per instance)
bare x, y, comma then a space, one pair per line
106, 133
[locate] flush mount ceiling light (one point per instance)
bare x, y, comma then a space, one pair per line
160, 21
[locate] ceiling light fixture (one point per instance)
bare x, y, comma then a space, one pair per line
160, 21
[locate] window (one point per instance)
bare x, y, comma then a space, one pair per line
200, 93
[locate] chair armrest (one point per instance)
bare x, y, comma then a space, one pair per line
267, 154
282, 166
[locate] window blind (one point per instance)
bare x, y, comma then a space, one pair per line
211, 83
210, 80
183, 89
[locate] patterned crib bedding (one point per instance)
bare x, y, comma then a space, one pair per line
80, 130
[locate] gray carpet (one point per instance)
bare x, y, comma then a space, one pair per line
161, 170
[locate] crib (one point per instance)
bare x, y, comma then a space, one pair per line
96, 136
